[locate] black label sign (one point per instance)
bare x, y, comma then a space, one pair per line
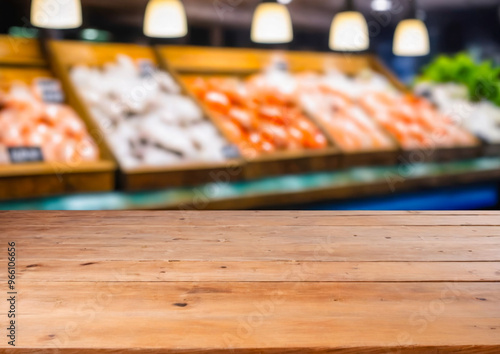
146, 67
231, 152
25, 154
51, 90
281, 65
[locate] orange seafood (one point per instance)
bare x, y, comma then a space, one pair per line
414, 122
340, 115
27, 121
258, 118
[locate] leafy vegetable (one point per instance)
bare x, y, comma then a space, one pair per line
482, 80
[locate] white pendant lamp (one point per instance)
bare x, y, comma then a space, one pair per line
349, 31
271, 24
411, 38
381, 5
56, 14
165, 19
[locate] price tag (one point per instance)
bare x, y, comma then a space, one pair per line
51, 90
25, 154
281, 65
146, 67
231, 151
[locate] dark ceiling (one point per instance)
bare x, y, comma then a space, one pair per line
454, 25
310, 14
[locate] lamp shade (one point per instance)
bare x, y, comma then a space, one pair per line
56, 14
165, 19
411, 39
272, 24
349, 32
381, 5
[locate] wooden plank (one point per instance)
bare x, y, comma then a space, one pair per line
108, 239
254, 271
245, 60
71, 53
490, 149
242, 218
257, 316
241, 60
107, 234
434, 252
479, 349
252, 213
21, 51
46, 180
10, 75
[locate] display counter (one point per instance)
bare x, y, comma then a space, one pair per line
292, 190
156, 127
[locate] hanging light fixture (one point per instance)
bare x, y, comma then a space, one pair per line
349, 31
56, 14
381, 5
165, 19
411, 38
271, 23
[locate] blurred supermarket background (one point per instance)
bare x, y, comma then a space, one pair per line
248, 104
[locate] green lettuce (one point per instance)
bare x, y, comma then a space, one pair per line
482, 80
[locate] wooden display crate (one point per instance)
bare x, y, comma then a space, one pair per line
441, 154
66, 54
17, 52
490, 150
187, 61
21, 60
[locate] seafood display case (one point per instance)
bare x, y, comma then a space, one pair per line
181, 116
360, 85
45, 146
273, 134
157, 134
368, 115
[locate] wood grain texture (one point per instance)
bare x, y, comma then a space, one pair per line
255, 282
255, 271
20, 51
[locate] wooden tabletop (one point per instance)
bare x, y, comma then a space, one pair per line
253, 282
